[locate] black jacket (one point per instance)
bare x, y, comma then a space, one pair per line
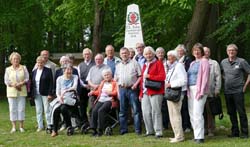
46, 82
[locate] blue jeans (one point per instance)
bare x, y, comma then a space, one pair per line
129, 96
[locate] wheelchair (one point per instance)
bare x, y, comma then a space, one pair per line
112, 120
74, 112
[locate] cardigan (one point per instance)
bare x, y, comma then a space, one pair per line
179, 77
98, 92
45, 84
202, 82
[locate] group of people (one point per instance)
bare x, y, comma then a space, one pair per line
104, 83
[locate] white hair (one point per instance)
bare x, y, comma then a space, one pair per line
148, 49
105, 71
173, 53
181, 46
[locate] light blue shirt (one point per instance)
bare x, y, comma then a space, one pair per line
193, 73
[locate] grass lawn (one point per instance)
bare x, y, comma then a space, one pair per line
41, 139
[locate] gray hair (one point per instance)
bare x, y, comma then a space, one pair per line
148, 49
65, 66
63, 58
87, 50
71, 56
140, 44
160, 49
99, 54
181, 46
106, 70
232, 46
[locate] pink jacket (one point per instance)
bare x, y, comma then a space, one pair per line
202, 82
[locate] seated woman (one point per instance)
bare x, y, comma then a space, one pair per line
106, 92
65, 87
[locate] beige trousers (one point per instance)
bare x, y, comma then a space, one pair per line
174, 110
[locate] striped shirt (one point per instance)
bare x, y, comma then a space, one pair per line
127, 73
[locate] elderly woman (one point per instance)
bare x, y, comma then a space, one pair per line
15, 79
176, 77
160, 54
65, 87
42, 86
131, 53
151, 99
106, 93
185, 60
198, 87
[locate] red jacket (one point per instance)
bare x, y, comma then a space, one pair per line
97, 93
157, 73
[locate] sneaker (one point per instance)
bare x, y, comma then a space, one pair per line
62, 128
187, 130
176, 140
13, 130
39, 129
22, 130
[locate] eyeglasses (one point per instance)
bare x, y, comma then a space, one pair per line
139, 47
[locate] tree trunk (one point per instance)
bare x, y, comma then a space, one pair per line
196, 27
98, 25
211, 27
50, 40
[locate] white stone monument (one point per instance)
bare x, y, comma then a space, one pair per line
133, 30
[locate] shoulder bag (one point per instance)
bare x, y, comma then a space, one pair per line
172, 94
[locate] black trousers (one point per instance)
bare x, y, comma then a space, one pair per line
84, 100
99, 114
65, 111
165, 114
185, 114
236, 103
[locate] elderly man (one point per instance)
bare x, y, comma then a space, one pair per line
214, 91
139, 56
111, 60
127, 75
95, 77
83, 70
234, 69
48, 63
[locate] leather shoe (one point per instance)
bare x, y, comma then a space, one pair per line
158, 136
199, 141
147, 135
123, 133
244, 136
233, 135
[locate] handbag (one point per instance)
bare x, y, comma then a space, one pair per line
172, 94
216, 106
155, 85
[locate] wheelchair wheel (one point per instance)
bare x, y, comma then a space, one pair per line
48, 130
70, 131
108, 131
85, 128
